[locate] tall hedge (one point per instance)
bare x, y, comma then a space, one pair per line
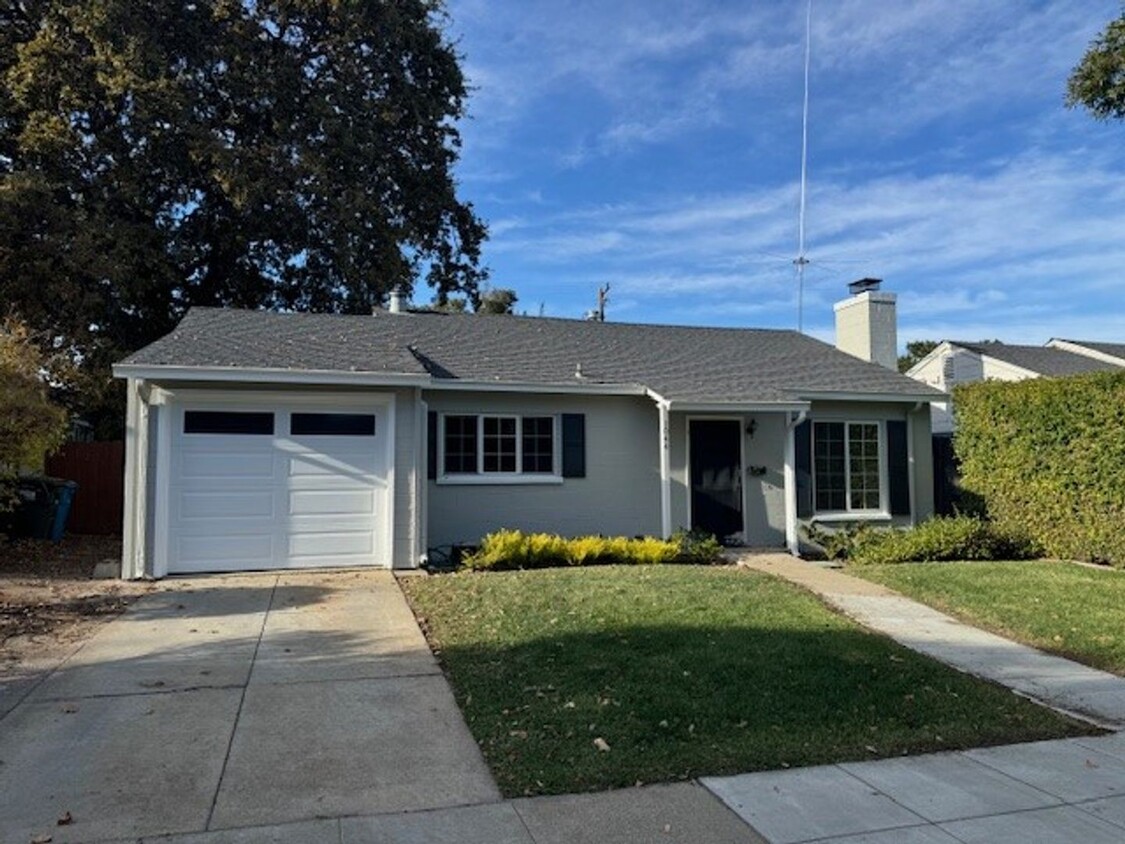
1046, 458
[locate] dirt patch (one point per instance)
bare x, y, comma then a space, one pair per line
49, 601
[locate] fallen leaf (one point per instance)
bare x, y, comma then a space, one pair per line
42, 839
601, 744
69, 708
65, 820
1090, 763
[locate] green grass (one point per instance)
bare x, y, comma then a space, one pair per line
688, 671
1071, 610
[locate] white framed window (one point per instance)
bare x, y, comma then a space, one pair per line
849, 474
483, 448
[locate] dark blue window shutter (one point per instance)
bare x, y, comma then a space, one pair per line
898, 469
431, 445
574, 445
803, 455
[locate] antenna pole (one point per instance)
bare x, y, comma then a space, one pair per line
801, 261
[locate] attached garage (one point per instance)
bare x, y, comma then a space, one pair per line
277, 482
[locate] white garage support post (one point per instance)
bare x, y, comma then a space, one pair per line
665, 471
136, 470
790, 476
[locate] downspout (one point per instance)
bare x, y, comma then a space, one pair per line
910, 462
664, 407
790, 475
421, 480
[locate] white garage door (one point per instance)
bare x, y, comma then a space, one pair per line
274, 486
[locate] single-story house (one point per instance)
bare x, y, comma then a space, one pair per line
954, 362
260, 440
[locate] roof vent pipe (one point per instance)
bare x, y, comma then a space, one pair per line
396, 301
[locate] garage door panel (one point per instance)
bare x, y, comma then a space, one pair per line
211, 464
226, 552
336, 543
228, 504
365, 465
242, 501
341, 502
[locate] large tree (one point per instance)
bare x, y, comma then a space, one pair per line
1098, 82
158, 154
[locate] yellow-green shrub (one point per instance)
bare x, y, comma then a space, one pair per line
513, 549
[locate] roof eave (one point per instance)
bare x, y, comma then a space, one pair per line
265, 375
839, 395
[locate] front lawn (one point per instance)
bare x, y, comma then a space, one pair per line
580, 679
1071, 610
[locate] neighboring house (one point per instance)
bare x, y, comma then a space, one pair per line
954, 362
1113, 353
259, 440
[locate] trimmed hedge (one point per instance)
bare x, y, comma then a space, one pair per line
1046, 458
513, 549
940, 539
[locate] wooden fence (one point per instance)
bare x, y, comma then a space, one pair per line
99, 470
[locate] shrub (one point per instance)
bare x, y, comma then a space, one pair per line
513, 549
936, 540
1046, 459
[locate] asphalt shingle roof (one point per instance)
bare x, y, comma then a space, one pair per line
1043, 360
679, 363
1115, 349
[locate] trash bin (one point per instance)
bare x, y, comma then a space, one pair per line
43, 508
64, 497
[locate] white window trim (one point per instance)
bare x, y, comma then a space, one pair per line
849, 514
482, 478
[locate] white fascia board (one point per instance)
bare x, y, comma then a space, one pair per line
268, 376
737, 407
1085, 351
458, 385
912, 398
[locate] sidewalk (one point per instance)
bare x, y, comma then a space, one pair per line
1077, 689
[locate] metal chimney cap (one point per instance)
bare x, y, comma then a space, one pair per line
864, 285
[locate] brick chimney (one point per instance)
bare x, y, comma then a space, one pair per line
867, 324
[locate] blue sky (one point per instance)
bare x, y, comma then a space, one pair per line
655, 145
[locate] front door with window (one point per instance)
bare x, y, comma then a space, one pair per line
716, 475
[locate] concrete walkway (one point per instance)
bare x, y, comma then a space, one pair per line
1051, 792
1060, 683
227, 702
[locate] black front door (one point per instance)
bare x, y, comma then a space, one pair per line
716, 476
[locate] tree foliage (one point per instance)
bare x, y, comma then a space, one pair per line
1098, 82
158, 154
915, 351
1046, 458
31, 426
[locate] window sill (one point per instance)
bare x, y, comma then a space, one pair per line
498, 480
859, 516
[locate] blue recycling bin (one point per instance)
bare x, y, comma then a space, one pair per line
43, 507
64, 497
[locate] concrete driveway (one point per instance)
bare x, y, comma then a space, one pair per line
238, 701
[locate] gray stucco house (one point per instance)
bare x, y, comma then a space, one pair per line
259, 440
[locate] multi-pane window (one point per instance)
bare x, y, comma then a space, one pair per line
538, 444
846, 466
863, 466
511, 445
830, 460
500, 444
460, 444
